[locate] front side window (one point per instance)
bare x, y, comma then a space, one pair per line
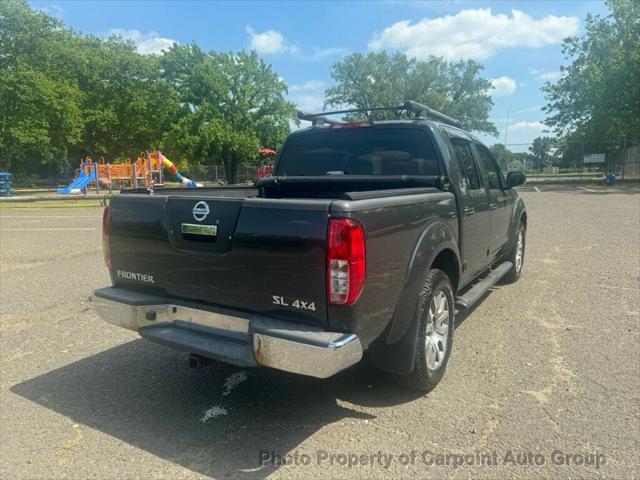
462, 148
490, 167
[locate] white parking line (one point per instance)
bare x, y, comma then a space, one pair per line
536, 189
46, 229
50, 216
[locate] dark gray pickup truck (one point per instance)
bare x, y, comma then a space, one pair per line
364, 241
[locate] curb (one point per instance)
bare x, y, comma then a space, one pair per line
52, 199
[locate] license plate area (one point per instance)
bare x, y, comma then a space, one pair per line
199, 233
209, 235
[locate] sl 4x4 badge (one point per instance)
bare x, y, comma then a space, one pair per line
294, 303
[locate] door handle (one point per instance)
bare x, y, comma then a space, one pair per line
493, 206
468, 211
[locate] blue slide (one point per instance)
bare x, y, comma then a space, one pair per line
79, 183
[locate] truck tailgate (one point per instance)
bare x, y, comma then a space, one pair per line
267, 255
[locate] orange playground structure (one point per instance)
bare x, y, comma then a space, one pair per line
127, 174
145, 172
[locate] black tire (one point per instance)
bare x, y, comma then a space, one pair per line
516, 270
425, 377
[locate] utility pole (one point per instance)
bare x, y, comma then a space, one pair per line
624, 155
582, 158
506, 129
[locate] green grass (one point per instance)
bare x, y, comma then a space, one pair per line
564, 174
53, 204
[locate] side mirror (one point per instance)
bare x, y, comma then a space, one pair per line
515, 179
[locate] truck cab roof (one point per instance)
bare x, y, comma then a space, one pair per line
413, 122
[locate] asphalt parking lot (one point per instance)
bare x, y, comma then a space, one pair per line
546, 370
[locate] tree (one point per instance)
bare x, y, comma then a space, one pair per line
540, 152
236, 104
128, 105
381, 79
66, 95
598, 97
503, 155
506, 157
217, 139
40, 117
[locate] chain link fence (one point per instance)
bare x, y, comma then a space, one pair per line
217, 174
578, 159
572, 159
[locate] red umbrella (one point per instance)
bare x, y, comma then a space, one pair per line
267, 150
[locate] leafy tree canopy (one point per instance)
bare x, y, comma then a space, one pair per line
41, 117
381, 79
540, 151
65, 95
235, 102
598, 97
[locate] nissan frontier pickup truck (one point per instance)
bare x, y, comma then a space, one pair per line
364, 241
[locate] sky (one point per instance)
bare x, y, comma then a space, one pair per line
519, 43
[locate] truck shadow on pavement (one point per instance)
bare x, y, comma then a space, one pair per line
145, 395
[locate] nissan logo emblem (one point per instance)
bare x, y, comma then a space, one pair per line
200, 211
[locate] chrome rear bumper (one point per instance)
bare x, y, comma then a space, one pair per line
231, 337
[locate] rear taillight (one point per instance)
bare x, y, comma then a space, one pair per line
345, 261
106, 237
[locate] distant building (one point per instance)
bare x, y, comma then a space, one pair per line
631, 165
516, 166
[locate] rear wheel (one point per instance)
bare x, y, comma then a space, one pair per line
517, 256
435, 332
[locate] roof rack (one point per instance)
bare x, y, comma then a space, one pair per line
317, 119
418, 109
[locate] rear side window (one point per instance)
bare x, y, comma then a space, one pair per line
359, 151
462, 149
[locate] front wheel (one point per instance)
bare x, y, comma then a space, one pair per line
517, 256
435, 332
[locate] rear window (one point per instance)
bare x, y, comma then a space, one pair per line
359, 151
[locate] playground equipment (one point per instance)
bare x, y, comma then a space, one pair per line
267, 156
5, 184
166, 163
84, 177
146, 172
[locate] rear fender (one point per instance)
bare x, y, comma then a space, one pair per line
395, 350
437, 237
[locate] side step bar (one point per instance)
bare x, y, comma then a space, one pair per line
476, 292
